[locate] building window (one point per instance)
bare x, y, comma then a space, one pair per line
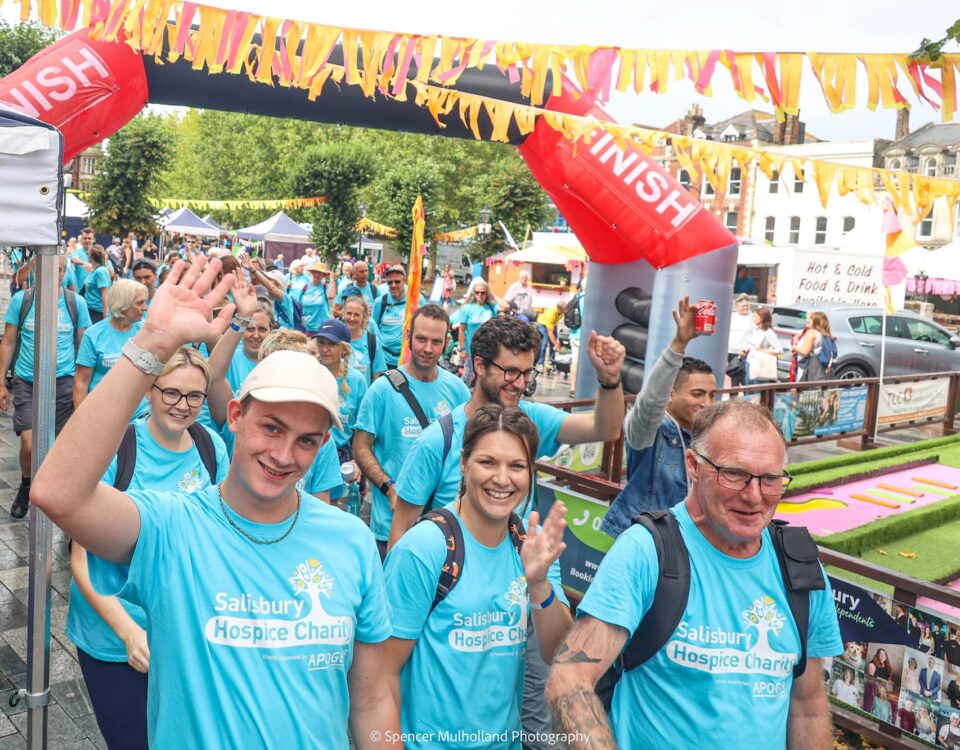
730, 221
925, 228
684, 178
733, 184
820, 234
930, 167
798, 184
86, 165
774, 182
848, 224
794, 230
894, 164
769, 226
707, 187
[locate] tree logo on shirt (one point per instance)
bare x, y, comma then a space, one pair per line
191, 482
245, 620
494, 628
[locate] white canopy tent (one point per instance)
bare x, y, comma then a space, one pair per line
31, 206
280, 234
185, 221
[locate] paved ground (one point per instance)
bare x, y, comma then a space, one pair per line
71, 721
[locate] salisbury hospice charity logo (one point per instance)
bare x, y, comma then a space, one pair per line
713, 649
309, 625
483, 631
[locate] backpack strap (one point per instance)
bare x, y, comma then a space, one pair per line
446, 427
453, 564
800, 568
204, 445
402, 386
71, 301
671, 594
126, 458
371, 349
518, 534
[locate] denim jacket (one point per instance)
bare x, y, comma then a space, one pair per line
657, 478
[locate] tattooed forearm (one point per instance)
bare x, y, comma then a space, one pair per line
566, 655
579, 715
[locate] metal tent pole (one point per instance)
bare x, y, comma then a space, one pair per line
37, 693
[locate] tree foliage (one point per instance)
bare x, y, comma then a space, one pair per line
931, 50
129, 174
336, 172
19, 42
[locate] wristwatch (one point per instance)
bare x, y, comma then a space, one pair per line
143, 360
385, 487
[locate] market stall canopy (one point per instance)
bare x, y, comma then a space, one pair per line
278, 228
214, 223
558, 255
185, 221
31, 190
75, 207
941, 266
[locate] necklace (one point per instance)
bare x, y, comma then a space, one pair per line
284, 535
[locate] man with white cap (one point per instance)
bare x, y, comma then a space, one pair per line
265, 607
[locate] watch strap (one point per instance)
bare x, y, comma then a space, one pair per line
145, 361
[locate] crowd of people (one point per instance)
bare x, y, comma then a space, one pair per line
223, 596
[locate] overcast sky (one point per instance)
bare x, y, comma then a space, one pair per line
741, 25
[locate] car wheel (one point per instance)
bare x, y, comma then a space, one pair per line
850, 372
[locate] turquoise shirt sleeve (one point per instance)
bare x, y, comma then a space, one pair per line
88, 355
12, 314
412, 572
324, 473
548, 419
379, 363
423, 468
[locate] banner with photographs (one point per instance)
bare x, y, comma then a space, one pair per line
900, 663
820, 411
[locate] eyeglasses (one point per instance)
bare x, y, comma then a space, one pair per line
512, 374
480, 291
394, 282
737, 479
172, 397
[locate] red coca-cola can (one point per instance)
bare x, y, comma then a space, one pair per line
705, 322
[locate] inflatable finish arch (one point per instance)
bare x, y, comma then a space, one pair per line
632, 217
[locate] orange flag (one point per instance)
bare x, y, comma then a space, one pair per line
417, 250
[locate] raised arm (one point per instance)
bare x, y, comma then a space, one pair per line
604, 423
219, 393
67, 486
585, 655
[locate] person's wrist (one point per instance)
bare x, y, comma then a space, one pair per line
158, 342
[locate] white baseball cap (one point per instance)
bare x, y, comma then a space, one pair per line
293, 376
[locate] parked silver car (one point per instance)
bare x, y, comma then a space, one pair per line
913, 343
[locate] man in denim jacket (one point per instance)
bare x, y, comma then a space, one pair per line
657, 428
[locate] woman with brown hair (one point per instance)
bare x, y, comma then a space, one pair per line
449, 638
762, 344
810, 345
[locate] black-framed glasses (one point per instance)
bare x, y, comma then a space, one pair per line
512, 374
172, 397
395, 282
480, 291
738, 479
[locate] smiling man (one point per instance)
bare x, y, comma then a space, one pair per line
725, 676
247, 584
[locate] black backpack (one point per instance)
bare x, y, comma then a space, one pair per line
799, 566
70, 298
127, 454
571, 316
452, 568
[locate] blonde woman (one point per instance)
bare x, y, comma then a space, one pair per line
126, 302
110, 633
809, 346
367, 353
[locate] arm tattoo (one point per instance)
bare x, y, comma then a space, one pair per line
566, 656
580, 715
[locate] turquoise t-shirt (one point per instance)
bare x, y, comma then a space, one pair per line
283, 311
240, 366
360, 355
324, 473
425, 470
23, 367
297, 283
250, 644
473, 316
158, 469
69, 278
386, 415
99, 279
575, 332
350, 289
100, 348
79, 272
388, 314
316, 306
731, 655
349, 406
476, 637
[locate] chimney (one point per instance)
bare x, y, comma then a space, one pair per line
903, 124
693, 119
789, 132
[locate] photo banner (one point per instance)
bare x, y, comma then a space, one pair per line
861, 618
820, 411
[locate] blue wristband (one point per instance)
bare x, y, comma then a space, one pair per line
546, 602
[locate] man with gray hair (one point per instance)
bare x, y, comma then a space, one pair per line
730, 672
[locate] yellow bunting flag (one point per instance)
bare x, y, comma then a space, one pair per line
417, 250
